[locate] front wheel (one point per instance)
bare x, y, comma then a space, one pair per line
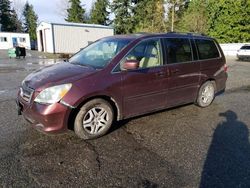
206, 94
94, 119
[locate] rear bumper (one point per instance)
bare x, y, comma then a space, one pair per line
221, 83
45, 118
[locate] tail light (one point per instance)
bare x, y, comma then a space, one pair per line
225, 67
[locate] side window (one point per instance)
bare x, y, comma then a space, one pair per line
22, 39
148, 53
207, 49
178, 50
3, 39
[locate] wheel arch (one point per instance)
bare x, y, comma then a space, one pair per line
110, 100
203, 82
213, 80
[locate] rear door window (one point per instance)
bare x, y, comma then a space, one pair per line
207, 49
178, 50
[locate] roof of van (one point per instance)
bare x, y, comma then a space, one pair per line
169, 34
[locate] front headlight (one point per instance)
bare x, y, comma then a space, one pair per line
53, 94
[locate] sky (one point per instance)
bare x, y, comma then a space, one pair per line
51, 10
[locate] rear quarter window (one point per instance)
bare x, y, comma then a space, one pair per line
207, 49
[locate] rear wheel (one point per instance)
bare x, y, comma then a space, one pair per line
206, 94
94, 119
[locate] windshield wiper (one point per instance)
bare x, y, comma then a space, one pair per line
81, 64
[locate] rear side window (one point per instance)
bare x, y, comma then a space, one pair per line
178, 50
207, 49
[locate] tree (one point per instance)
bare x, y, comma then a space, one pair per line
75, 12
8, 17
176, 9
123, 21
30, 20
149, 16
17, 23
194, 18
99, 13
229, 20
18, 6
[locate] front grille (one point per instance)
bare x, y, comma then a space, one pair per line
26, 93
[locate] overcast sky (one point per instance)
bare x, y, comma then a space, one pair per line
51, 10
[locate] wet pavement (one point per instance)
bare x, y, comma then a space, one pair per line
186, 146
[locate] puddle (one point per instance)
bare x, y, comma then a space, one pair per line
45, 62
49, 62
10, 69
3, 91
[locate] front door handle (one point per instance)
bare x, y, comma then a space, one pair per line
161, 74
174, 71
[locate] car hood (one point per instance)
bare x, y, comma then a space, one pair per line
57, 74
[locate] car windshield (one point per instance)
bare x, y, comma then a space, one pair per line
245, 47
100, 53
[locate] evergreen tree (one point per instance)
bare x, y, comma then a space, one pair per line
75, 12
194, 18
123, 21
8, 17
17, 23
30, 20
99, 13
229, 20
149, 16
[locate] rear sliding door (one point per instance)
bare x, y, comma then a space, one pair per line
184, 71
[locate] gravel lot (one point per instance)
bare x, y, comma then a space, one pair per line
182, 147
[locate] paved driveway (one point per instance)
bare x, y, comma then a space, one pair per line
182, 147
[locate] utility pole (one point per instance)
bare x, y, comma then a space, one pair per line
173, 14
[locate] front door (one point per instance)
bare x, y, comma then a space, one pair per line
144, 89
183, 83
14, 41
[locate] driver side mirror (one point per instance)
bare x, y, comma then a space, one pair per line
131, 65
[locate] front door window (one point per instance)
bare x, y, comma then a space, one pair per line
148, 53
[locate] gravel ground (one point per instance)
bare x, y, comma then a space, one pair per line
182, 147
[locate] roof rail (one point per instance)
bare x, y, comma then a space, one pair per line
142, 33
189, 33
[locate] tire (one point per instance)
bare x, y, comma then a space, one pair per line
206, 94
94, 119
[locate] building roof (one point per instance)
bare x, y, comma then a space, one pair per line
14, 32
78, 24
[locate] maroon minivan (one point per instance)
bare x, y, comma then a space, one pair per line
119, 77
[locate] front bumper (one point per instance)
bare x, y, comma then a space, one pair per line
46, 118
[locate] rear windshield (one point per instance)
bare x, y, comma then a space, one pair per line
207, 49
99, 53
245, 48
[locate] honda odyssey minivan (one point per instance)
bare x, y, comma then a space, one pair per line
122, 76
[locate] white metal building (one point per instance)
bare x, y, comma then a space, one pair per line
9, 40
69, 37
